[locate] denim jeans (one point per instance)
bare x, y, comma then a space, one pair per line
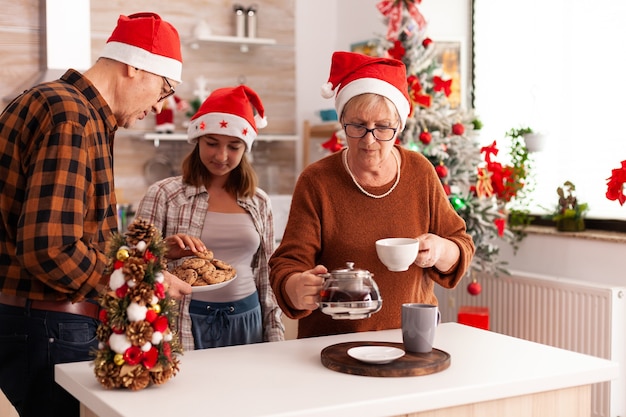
31, 343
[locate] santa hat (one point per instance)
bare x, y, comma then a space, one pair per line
145, 41
229, 111
352, 74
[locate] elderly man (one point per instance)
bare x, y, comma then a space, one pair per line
58, 206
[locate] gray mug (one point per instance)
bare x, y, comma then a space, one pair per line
419, 323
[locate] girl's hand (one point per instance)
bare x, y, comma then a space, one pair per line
181, 245
175, 286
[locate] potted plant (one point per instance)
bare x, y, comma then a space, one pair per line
535, 142
569, 214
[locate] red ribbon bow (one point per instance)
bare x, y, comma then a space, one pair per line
439, 84
392, 9
415, 89
489, 150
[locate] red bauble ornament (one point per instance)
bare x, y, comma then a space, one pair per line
474, 288
442, 171
426, 137
160, 324
458, 129
133, 355
151, 315
121, 291
103, 316
426, 42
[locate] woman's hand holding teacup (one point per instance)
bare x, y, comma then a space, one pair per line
436, 251
303, 288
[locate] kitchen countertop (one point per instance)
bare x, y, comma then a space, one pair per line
288, 379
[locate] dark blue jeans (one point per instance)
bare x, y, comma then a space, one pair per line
31, 343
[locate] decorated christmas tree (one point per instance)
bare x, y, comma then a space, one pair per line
480, 188
137, 346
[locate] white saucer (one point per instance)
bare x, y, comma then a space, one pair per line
375, 354
211, 287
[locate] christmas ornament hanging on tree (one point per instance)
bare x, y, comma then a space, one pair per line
137, 345
474, 287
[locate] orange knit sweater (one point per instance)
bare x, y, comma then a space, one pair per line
332, 222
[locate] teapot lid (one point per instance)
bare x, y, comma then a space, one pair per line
349, 270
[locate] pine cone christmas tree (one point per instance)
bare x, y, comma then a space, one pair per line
137, 344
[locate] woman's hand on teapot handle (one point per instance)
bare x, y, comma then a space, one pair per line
181, 245
303, 288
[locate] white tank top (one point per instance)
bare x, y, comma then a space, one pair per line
233, 239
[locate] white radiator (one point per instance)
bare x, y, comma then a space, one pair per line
573, 315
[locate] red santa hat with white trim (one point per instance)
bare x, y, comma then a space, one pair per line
229, 111
147, 42
352, 74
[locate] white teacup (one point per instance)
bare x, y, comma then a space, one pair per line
397, 253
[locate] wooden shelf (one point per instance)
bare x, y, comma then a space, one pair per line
157, 137
310, 131
243, 42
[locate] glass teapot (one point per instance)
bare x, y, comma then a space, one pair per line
349, 293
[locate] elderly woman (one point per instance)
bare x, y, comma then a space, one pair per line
370, 190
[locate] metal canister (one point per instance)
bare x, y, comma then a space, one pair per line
240, 20
251, 22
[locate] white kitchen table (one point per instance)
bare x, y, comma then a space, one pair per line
489, 374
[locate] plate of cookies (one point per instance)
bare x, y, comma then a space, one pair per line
204, 272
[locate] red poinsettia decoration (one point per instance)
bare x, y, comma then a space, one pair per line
615, 184
497, 179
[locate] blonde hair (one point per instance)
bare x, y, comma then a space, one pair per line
242, 181
369, 102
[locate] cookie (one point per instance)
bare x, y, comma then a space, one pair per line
190, 276
219, 264
192, 263
214, 277
207, 267
207, 254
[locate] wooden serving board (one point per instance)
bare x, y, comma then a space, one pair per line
335, 357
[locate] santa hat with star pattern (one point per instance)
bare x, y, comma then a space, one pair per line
352, 74
229, 111
147, 42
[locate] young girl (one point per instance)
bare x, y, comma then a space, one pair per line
216, 204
